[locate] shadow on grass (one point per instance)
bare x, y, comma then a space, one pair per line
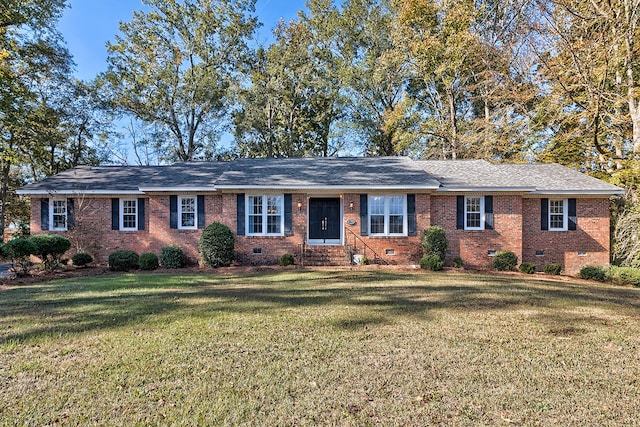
371, 297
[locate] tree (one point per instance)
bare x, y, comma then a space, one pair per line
173, 66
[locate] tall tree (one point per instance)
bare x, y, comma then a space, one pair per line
173, 66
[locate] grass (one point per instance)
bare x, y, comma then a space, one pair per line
319, 348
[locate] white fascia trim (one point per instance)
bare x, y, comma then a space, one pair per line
76, 192
325, 187
486, 189
579, 193
176, 189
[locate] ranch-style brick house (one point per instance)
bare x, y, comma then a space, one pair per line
328, 211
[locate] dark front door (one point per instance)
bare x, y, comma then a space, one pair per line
324, 219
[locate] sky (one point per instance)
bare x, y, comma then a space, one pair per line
88, 24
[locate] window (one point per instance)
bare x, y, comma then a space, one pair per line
558, 214
58, 215
387, 215
129, 214
264, 215
473, 213
187, 212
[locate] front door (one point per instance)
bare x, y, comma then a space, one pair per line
324, 220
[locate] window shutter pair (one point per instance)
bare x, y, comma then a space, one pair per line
115, 213
44, 214
240, 215
572, 218
488, 213
411, 215
173, 211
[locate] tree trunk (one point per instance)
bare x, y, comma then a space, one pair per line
453, 119
4, 193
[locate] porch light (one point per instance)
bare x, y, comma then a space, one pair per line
351, 204
299, 206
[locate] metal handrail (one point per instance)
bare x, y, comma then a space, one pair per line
376, 257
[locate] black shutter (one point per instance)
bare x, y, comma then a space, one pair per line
71, 215
488, 212
411, 215
115, 213
288, 216
140, 214
240, 215
544, 214
364, 215
460, 213
44, 214
173, 211
200, 211
573, 217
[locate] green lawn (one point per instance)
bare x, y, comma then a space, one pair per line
319, 348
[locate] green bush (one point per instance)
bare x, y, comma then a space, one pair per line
19, 250
217, 245
553, 269
172, 256
149, 261
49, 248
124, 260
624, 275
434, 241
592, 272
431, 262
81, 259
505, 261
3, 255
457, 262
286, 259
527, 267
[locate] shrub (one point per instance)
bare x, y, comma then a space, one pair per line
49, 248
286, 259
81, 259
148, 261
365, 261
434, 241
217, 245
592, 272
124, 260
19, 250
528, 267
457, 262
431, 262
505, 261
553, 269
172, 256
624, 275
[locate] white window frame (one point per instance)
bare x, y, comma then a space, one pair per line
122, 214
265, 214
181, 226
565, 215
52, 213
482, 213
387, 214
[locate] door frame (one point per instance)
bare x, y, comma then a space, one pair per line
322, 242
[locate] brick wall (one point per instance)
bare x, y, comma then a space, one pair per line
591, 237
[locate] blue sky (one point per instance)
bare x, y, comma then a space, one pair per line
88, 24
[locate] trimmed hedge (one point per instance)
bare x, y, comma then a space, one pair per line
505, 261
81, 259
149, 261
124, 260
592, 272
49, 248
527, 267
434, 241
457, 262
172, 256
554, 269
19, 250
217, 245
431, 262
286, 259
624, 275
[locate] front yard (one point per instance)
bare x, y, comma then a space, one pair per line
302, 347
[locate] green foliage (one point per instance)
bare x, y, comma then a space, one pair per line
624, 275
505, 261
124, 260
286, 259
527, 267
591, 272
149, 261
553, 269
434, 241
81, 259
431, 262
217, 245
19, 250
457, 262
49, 248
172, 256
